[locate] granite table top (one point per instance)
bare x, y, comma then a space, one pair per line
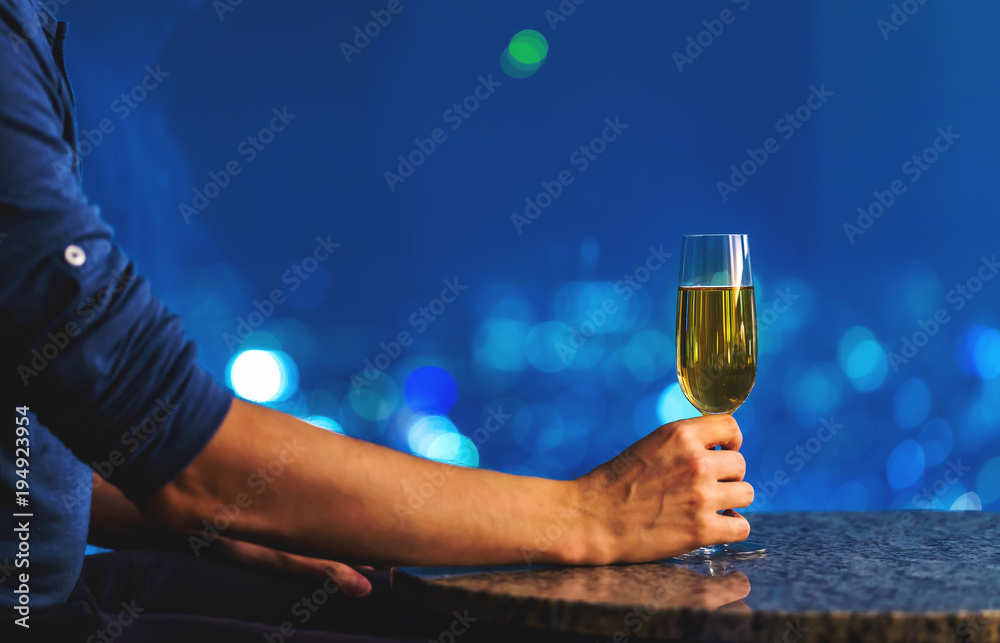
835, 576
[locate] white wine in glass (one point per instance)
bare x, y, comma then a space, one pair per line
717, 337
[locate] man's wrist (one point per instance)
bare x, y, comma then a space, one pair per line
577, 532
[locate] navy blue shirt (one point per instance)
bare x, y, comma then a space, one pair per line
109, 378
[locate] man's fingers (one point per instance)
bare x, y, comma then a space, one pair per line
728, 466
719, 430
729, 527
350, 581
732, 494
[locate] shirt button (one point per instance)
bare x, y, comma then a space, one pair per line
75, 255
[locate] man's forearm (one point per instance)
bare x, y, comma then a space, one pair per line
270, 478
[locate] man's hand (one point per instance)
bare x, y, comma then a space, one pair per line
662, 495
350, 581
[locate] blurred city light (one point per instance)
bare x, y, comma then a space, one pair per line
966, 346
978, 423
425, 429
431, 390
551, 346
812, 388
597, 307
499, 344
376, 402
673, 405
324, 422
862, 359
967, 502
649, 355
453, 448
987, 353
644, 415
525, 54
562, 443
262, 376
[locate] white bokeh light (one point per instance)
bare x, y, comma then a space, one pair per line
262, 376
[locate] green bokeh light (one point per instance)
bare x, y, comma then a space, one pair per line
528, 47
515, 69
525, 54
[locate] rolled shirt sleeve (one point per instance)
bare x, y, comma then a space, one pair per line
85, 343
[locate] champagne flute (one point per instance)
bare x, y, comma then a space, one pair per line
717, 337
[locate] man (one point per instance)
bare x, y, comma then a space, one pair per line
97, 374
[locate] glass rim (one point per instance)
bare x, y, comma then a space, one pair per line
715, 234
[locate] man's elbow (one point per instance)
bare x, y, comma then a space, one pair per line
180, 505
204, 488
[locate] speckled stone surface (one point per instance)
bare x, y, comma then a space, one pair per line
861, 576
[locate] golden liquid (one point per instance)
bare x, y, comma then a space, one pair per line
716, 346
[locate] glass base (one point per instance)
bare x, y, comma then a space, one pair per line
745, 549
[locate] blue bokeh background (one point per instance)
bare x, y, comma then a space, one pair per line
496, 379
